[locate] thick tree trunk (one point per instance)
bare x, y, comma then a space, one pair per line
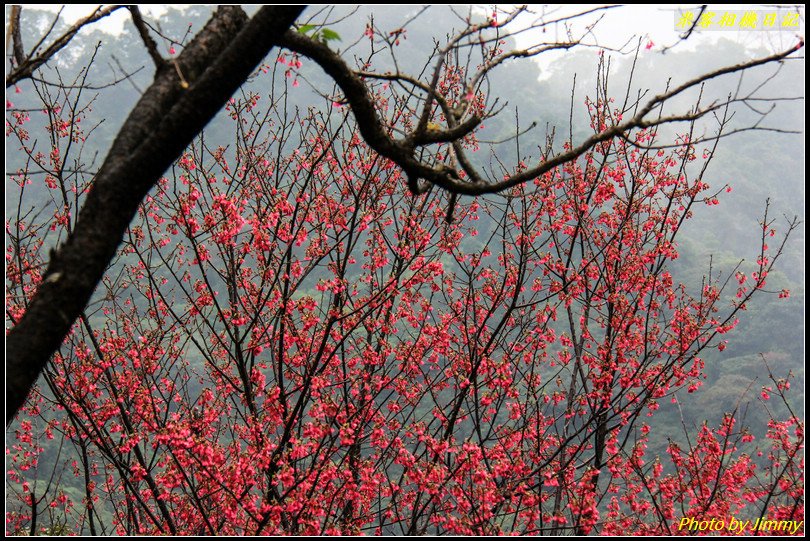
168, 116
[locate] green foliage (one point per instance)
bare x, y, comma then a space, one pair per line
324, 35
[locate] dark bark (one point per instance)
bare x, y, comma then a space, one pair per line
404, 151
181, 101
165, 120
16, 35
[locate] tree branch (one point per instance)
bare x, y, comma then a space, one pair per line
162, 124
143, 31
403, 151
30, 64
14, 33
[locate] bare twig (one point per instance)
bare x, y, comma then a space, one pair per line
403, 151
143, 31
28, 65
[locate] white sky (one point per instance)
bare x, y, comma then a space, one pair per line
655, 21
113, 23
651, 22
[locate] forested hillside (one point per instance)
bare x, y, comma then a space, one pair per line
382, 275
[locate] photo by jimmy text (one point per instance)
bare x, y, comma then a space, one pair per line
789, 527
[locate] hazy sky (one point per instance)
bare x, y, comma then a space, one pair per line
655, 22
619, 28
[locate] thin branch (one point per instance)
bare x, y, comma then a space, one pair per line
143, 31
26, 68
403, 151
157, 130
14, 33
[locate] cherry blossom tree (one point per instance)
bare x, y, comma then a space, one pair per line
190, 89
307, 331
